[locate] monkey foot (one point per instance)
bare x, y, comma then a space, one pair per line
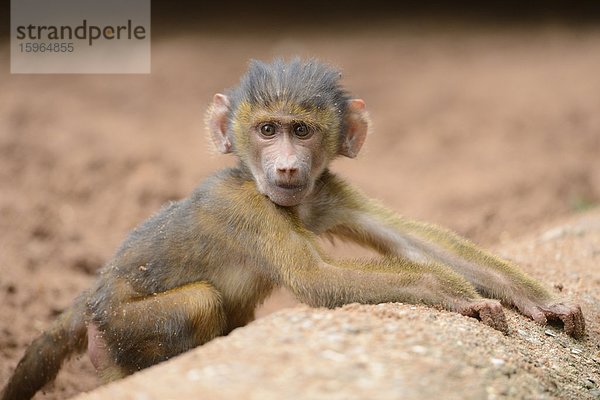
490, 312
567, 313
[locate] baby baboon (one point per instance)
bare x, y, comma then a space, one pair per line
199, 267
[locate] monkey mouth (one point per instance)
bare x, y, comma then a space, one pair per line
287, 194
290, 186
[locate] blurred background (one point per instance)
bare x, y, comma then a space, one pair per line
486, 120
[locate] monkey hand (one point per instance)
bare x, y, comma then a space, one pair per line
490, 312
568, 313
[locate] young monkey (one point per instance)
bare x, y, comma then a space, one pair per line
198, 268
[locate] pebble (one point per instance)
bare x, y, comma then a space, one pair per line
497, 362
193, 375
553, 234
333, 356
419, 349
589, 384
306, 324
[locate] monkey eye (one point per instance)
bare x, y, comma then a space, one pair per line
268, 129
301, 130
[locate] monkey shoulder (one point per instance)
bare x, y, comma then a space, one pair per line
182, 219
180, 240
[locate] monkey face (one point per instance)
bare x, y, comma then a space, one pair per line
288, 147
286, 157
286, 122
285, 146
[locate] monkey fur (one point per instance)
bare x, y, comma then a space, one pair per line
199, 267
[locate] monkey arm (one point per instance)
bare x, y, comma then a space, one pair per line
322, 282
328, 283
333, 283
366, 222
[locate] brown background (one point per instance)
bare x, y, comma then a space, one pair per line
485, 121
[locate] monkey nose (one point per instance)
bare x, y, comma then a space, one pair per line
287, 171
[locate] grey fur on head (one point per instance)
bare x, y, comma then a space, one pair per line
306, 83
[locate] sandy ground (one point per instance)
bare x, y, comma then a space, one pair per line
491, 132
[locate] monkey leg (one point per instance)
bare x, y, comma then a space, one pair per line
135, 334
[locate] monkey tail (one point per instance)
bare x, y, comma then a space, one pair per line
44, 357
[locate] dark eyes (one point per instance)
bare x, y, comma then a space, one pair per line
300, 130
268, 130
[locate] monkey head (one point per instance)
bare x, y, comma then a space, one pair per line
286, 122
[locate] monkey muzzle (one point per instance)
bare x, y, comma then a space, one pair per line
287, 194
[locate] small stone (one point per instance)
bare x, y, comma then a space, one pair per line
548, 332
553, 234
589, 384
497, 362
193, 375
306, 324
559, 287
333, 356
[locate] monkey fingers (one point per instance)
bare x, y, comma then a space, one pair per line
490, 312
569, 314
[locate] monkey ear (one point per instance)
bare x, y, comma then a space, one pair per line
217, 122
357, 126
